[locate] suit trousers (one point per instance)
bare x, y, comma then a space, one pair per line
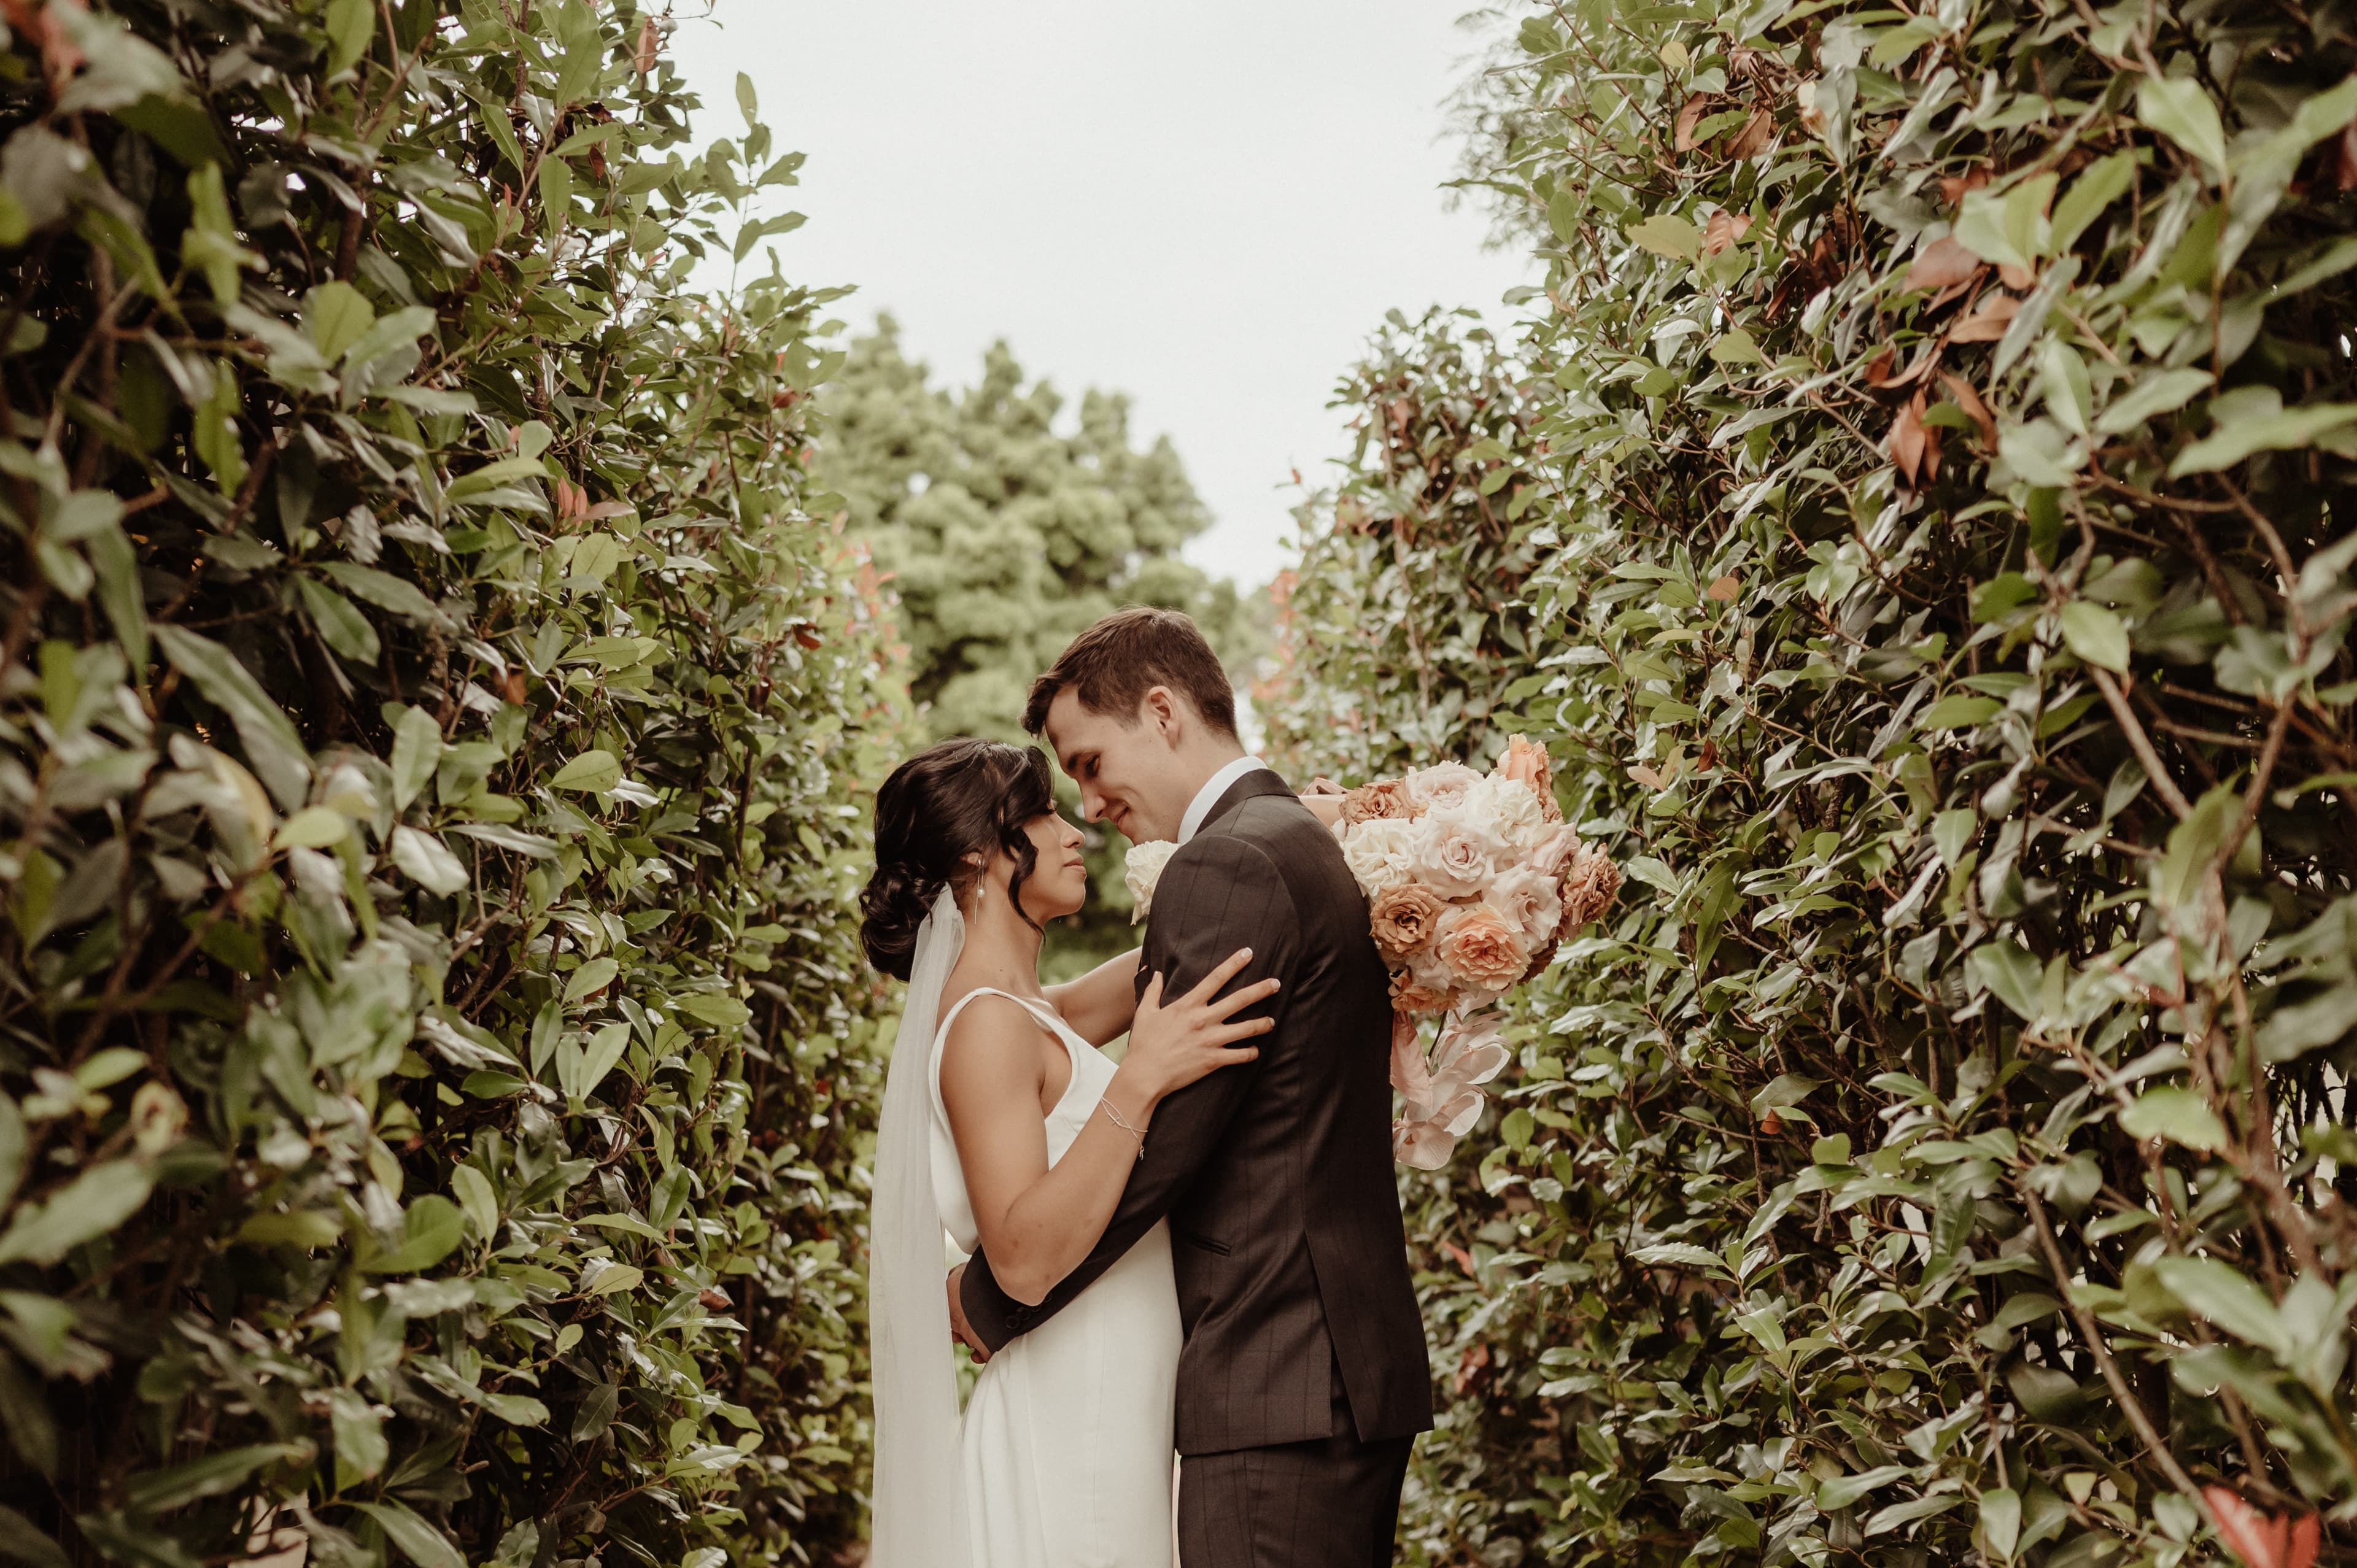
1331, 1502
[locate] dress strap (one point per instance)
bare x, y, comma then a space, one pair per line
1046, 1017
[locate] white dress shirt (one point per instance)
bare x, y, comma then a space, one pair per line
1209, 795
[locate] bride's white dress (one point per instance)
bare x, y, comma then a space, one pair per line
1066, 1440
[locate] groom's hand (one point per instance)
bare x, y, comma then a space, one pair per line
961, 1331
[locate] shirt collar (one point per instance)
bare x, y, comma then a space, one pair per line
1209, 795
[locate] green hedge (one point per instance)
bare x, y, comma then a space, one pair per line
434, 1043
1912, 517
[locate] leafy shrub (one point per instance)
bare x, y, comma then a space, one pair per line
1938, 599
435, 1052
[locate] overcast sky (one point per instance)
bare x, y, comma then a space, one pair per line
1207, 205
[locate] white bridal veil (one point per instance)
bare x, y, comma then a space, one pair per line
919, 1517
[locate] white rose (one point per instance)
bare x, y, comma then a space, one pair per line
1457, 853
1141, 870
1511, 808
1535, 902
1380, 852
1442, 784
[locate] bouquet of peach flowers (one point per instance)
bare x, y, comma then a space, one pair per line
1472, 881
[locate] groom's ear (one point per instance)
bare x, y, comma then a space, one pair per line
1164, 711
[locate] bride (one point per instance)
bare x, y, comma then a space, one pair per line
1005, 1127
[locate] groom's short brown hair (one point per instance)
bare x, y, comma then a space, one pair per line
1112, 666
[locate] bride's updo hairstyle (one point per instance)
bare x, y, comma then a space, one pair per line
960, 798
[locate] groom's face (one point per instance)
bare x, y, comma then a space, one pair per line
1123, 766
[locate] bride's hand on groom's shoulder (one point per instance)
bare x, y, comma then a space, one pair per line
1173, 1044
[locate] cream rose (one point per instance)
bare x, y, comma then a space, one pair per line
1380, 852
1443, 784
1457, 851
1533, 902
1142, 872
1512, 811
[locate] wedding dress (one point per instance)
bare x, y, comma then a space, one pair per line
1067, 1436
1064, 1458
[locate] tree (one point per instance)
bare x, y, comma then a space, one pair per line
1916, 519
435, 1055
1005, 537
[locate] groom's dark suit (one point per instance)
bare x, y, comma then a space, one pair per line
1304, 1375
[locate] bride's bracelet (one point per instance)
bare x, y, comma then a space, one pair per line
1117, 1118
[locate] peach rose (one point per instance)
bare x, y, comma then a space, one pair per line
1410, 995
1527, 763
1443, 784
1405, 920
1590, 882
1481, 948
1386, 798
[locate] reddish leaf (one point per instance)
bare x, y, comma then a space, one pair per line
2015, 277
1753, 136
1970, 401
1688, 117
2262, 1540
1723, 229
1725, 589
1988, 320
1942, 264
1953, 186
1905, 444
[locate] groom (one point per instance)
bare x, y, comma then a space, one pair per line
1304, 1376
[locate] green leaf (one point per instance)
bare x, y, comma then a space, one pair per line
22, 1541
2259, 423
2216, 1291
342, 626
2180, 109
2000, 1521
431, 1231
416, 752
721, 1012
2098, 186
1668, 236
385, 591
90, 1205
157, 1491
350, 25
336, 315
613, 1279
492, 476
419, 1541
477, 1198
1844, 1490
1959, 712
1735, 347
2009, 972
272, 748
428, 862
314, 827
2179, 1115
2151, 396
2095, 634
592, 772
590, 978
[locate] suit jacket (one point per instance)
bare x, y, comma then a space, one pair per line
1275, 1176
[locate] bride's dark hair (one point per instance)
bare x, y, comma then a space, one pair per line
958, 799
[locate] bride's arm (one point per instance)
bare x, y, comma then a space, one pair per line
1039, 1220
1100, 1005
